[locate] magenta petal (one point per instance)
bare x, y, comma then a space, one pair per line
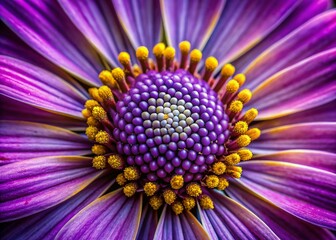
230, 220
305, 192
31, 186
148, 223
112, 216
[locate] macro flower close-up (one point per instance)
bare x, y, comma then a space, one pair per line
167, 119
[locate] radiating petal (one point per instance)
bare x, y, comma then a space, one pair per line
230, 220
148, 223
31, 186
44, 26
47, 224
305, 85
112, 216
305, 192
243, 24
283, 224
314, 136
141, 21
98, 21
317, 35
30, 84
24, 140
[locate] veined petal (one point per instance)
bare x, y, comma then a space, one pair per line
52, 34
47, 224
230, 220
23, 140
305, 192
317, 35
314, 136
182, 226
282, 223
40, 183
148, 223
112, 216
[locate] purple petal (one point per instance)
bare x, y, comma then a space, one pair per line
305, 85
148, 223
283, 224
35, 86
24, 140
31, 186
230, 220
112, 216
314, 136
305, 192
182, 226
47, 224
44, 26
315, 36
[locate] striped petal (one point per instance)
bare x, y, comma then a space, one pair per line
305, 192
182, 226
47, 224
283, 224
112, 216
24, 140
31, 186
230, 220
148, 223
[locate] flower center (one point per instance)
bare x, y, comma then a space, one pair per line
167, 131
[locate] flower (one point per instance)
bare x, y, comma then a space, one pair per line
163, 154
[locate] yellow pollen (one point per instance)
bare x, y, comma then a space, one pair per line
99, 162
131, 173
150, 188
90, 104
130, 189
105, 92
240, 128
254, 133
155, 202
177, 208
120, 179
86, 113
91, 132
105, 76
245, 154
240, 78
102, 137
234, 171
243, 141
94, 94
136, 70
244, 96
189, 203
206, 202
194, 190
212, 181
195, 55
98, 149
124, 58
176, 182
218, 168
91, 121
184, 47
142, 53
169, 53
211, 63
228, 70
99, 113
223, 183
250, 115
158, 49
116, 161
236, 106
169, 196
232, 86
118, 74
232, 159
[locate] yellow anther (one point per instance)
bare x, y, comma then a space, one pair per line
234, 171
169, 53
142, 53
86, 113
243, 141
158, 49
195, 55
105, 76
169, 196
194, 190
105, 92
206, 202
124, 58
116, 161
176, 182
236, 106
218, 168
99, 113
90, 104
240, 128
98, 149
136, 70
99, 162
184, 47
250, 115
120, 179
131, 173
211, 181
102, 137
189, 203
91, 121
94, 94
253, 133
211, 63
228, 70
155, 202
150, 188
232, 159
244, 96
245, 154
223, 183
118, 74
177, 208
130, 189
240, 78
91, 132
232, 86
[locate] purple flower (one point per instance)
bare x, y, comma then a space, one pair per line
94, 146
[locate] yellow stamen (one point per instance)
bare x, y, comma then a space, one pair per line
212, 181
130, 189
232, 159
245, 154
91, 121
107, 79
131, 173
236, 106
99, 162
195, 55
124, 58
189, 203
102, 137
250, 115
120, 179
86, 113
91, 132
90, 104
232, 86
98, 149
176, 182
99, 113
223, 183
118, 74
105, 93
234, 171
254, 133
240, 78
158, 49
211, 63
244, 96
169, 196
169, 54
206, 202
177, 208
184, 47
136, 70
194, 190
228, 70
155, 202
218, 168
150, 188
116, 161
240, 128
243, 141
142, 53
94, 94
